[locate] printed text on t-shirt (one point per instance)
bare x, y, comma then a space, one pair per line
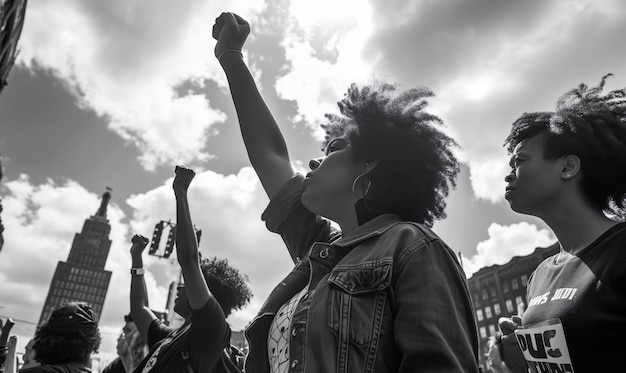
558, 294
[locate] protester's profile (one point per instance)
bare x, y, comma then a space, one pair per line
568, 167
383, 293
212, 289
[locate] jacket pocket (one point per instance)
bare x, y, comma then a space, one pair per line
358, 296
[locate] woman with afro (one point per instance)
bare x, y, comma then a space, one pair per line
65, 343
383, 293
568, 167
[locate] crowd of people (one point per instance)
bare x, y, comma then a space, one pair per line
383, 293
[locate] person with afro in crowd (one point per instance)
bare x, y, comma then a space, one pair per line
568, 167
384, 293
65, 343
212, 290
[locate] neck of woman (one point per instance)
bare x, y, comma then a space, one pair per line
576, 224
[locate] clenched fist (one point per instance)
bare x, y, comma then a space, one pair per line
231, 32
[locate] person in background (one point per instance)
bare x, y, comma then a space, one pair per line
131, 349
568, 167
211, 291
67, 340
383, 294
29, 355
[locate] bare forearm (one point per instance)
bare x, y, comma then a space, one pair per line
260, 131
186, 241
138, 289
187, 252
262, 137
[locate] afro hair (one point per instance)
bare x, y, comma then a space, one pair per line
417, 166
591, 126
227, 284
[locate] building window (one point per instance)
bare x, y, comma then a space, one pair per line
485, 294
492, 330
505, 287
509, 306
479, 315
494, 293
519, 300
488, 312
524, 280
496, 309
514, 284
483, 332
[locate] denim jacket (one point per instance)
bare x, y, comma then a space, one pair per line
388, 297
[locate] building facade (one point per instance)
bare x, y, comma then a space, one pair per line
82, 278
500, 291
11, 22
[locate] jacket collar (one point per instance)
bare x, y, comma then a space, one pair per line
372, 228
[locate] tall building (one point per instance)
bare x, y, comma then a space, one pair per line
82, 277
499, 291
11, 22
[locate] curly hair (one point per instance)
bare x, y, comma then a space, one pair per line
591, 126
71, 345
227, 284
417, 166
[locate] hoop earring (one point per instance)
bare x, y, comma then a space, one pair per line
364, 191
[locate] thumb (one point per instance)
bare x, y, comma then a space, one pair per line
507, 325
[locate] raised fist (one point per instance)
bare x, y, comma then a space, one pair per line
139, 244
231, 32
183, 178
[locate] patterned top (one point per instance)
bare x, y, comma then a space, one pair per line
278, 337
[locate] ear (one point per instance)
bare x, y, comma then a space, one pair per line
571, 167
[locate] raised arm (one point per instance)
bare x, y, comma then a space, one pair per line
5, 330
264, 142
139, 307
11, 363
187, 244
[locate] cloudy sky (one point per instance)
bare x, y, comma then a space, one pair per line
115, 93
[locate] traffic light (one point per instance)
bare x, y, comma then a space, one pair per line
156, 238
171, 240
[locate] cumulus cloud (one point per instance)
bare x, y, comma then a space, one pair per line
324, 44
488, 61
124, 59
40, 223
505, 242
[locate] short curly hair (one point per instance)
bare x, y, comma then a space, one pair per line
227, 284
417, 166
53, 346
591, 126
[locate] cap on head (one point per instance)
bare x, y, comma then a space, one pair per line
72, 315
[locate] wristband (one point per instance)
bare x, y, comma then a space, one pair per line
228, 51
137, 271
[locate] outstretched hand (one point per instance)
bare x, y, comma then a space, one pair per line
182, 180
139, 243
231, 32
